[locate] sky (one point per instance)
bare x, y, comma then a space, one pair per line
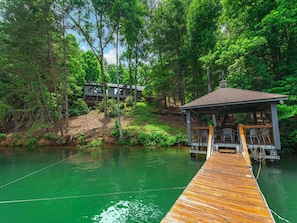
109, 52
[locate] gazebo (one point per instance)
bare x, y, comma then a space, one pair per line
226, 102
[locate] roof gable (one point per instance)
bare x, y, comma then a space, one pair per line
232, 96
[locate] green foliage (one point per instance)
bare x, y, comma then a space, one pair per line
168, 70
81, 139
91, 66
4, 109
133, 142
100, 106
253, 42
129, 101
115, 130
31, 143
95, 143
146, 139
122, 142
52, 136
79, 107
181, 139
156, 138
112, 107
2, 135
150, 130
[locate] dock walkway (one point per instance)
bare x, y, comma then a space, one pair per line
223, 190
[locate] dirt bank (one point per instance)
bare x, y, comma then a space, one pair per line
94, 126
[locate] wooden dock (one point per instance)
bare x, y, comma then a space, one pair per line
223, 190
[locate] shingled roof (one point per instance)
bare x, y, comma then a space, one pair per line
231, 98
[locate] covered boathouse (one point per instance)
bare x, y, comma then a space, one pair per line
227, 108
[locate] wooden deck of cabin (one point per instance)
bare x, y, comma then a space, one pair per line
223, 190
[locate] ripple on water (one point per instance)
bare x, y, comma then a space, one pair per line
129, 211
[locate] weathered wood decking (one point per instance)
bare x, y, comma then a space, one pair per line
223, 190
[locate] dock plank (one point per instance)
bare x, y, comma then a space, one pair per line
223, 190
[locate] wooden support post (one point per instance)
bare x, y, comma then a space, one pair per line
275, 127
244, 146
189, 127
209, 144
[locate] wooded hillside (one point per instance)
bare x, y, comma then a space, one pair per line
177, 49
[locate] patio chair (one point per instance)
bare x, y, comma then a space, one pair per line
228, 134
203, 135
265, 135
254, 135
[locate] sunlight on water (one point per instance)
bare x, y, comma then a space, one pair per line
129, 211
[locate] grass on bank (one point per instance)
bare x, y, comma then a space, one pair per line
147, 128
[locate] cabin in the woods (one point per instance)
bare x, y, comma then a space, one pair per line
227, 109
93, 92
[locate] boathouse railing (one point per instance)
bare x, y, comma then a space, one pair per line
200, 134
259, 134
256, 140
261, 142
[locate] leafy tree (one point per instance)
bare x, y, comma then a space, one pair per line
28, 34
168, 33
76, 75
91, 19
258, 45
124, 15
202, 23
91, 67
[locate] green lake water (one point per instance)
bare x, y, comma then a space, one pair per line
114, 184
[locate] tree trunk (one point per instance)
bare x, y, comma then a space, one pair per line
101, 61
135, 79
118, 84
66, 78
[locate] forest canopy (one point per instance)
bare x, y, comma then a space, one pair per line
178, 49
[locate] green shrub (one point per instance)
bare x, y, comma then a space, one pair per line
122, 105
17, 144
51, 136
2, 135
133, 142
159, 137
146, 139
31, 143
96, 143
112, 108
122, 142
115, 129
78, 107
81, 139
181, 139
101, 106
126, 134
129, 101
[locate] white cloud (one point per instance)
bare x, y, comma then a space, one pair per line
83, 48
110, 56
